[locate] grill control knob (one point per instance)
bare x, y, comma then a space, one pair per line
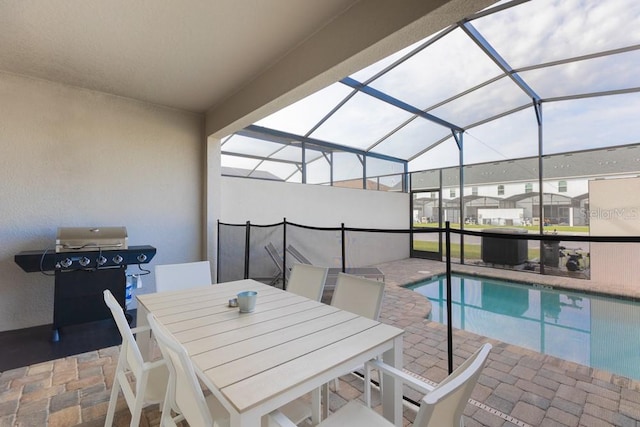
66, 263
101, 260
84, 261
117, 259
142, 258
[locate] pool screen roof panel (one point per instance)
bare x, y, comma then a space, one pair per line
578, 59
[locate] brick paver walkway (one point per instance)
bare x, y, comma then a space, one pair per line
518, 387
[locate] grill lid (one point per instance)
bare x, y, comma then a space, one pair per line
75, 239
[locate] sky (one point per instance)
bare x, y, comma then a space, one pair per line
538, 32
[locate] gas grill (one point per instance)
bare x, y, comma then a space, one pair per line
86, 261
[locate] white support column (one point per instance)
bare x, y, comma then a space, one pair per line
212, 204
571, 216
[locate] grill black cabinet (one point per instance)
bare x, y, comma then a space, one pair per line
551, 253
78, 294
504, 251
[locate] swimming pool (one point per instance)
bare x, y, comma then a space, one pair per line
591, 330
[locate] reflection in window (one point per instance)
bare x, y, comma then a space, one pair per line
528, 187
452, 193
500, 190
562, 186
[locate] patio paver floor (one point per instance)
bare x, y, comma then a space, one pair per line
518, 387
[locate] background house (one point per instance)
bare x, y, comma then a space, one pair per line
513, 184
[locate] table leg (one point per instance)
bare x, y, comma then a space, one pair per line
143, 338
325, 400
392, 387
245, 420
315, 406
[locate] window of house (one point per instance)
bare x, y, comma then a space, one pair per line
474, 191
500, 190
562, 186
528, 187
452, 193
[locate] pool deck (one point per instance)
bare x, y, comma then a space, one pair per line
518, 387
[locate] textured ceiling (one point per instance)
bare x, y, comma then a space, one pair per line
190, 55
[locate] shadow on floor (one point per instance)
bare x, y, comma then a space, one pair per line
28, 346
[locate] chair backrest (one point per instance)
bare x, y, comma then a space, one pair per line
184, 390
358, 295
307, 281
175, 277
445, 404
129, 346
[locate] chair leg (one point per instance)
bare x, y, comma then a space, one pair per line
136, 411
113, 400
167, 407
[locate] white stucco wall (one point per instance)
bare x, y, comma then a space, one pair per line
73, 157
614, 210
268, 202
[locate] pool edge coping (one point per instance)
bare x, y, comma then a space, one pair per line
528, 283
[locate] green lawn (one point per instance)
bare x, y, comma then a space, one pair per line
558, 228
470, 251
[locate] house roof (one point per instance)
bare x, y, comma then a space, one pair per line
610, 161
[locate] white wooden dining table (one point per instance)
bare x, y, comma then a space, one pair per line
289, 346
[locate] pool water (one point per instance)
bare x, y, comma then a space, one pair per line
596, 331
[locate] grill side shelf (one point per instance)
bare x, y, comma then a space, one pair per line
47, 260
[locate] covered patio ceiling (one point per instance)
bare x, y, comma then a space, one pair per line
518, 79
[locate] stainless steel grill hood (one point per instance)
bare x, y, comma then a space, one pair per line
76, 239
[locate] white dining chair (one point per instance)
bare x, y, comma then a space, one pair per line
307, 281
442, 405
358, 295
184, 393
175, 277
150, 377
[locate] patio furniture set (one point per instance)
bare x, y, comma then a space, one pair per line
271, 365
